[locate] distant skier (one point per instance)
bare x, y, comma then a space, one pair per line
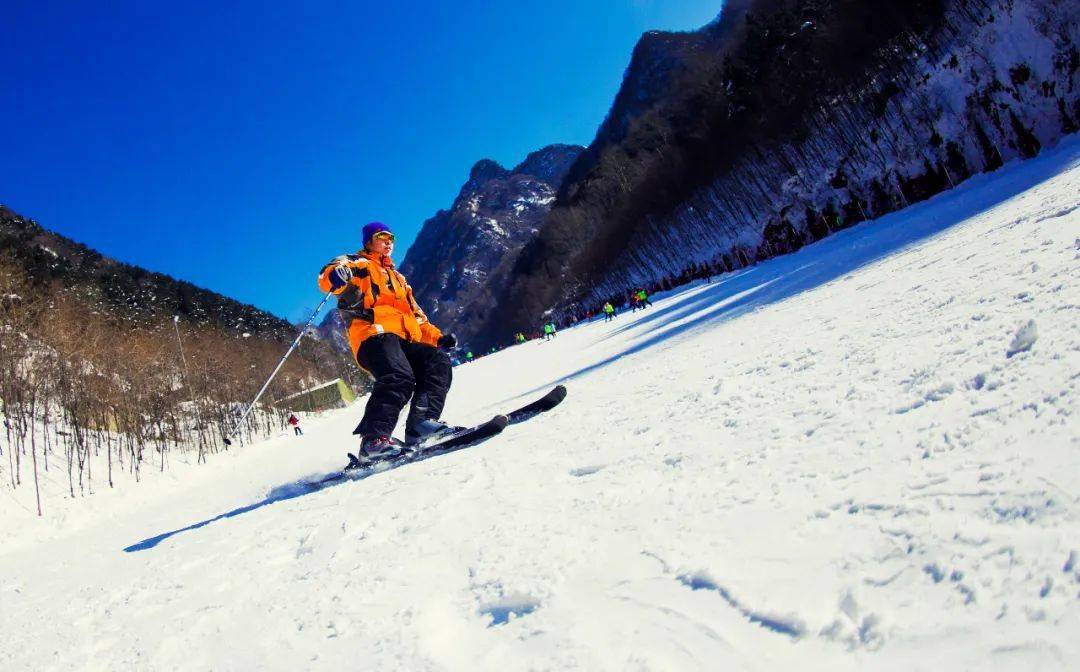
519, 338
643, 299
549, 331
294, 422
393, 340
609, 311
554, 331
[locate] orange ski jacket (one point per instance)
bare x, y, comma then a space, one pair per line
377, 300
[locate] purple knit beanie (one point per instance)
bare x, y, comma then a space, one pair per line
373, 228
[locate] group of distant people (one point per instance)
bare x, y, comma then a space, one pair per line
638, 299
546, 331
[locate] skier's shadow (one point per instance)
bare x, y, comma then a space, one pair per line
281, 493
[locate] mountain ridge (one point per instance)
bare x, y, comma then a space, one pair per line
494, 213
50, 257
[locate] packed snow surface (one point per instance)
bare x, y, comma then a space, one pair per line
860, 456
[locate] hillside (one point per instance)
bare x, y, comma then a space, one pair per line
116, 370
784, 122
857, 456
48, 257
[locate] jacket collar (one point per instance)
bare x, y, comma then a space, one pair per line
381, 260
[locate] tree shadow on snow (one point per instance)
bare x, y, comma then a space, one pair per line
835, 256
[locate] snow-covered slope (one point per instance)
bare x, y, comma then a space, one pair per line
857, 456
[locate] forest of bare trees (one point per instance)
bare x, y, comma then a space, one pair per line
88, 391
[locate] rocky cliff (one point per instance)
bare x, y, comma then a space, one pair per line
458, 250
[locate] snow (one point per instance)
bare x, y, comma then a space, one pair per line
826, 461
545, 198
474, 274
1025, 337
540, 200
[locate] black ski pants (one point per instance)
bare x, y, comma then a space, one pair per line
402, 369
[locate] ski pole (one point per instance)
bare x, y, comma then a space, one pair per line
277, 368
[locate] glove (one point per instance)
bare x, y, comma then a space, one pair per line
340, 276
448, 341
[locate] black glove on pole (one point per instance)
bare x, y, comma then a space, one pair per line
448, 342
340, 277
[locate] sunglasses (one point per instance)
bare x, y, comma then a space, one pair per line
384, 235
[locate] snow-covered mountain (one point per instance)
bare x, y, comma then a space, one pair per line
786, 121
861, 455
496, 212
999, 80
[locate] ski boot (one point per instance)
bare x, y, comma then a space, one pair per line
376, 448
428, 431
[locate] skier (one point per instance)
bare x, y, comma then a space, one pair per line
294, 422
609, 311
548, 331
643, 299
392, 339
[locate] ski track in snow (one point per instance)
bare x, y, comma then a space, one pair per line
852, 457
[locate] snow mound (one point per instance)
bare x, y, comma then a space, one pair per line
1025, 337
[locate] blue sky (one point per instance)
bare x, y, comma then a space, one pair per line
239, 145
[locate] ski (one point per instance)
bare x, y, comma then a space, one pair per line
464, 438
461, 439
545, 403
